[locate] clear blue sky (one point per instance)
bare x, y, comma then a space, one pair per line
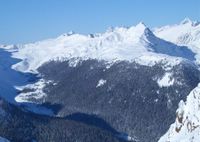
23, 21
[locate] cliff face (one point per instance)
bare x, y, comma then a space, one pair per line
186, 126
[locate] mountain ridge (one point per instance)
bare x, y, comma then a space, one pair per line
133, 43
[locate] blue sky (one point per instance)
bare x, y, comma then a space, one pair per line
23, 21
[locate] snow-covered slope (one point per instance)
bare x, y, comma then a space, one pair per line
187, 125
134, 43
185, 33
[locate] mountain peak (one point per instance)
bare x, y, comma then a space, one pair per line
141, 25
140, 29
196, 23
189, 21
144, 30
186, 21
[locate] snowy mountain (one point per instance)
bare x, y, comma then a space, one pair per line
134, 43
185, 33
128, 83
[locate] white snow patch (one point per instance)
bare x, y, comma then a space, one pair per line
156, 100
101, 83
36, 93
166, 81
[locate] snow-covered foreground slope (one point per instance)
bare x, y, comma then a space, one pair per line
186, 33
187, 125
134, 43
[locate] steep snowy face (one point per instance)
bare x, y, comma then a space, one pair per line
186, 33
136, 42
187, 125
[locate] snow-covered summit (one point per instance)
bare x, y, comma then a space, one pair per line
186, 33
190, 22
186, 21
133, 43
